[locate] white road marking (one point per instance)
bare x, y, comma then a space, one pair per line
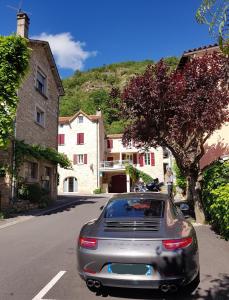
48, 287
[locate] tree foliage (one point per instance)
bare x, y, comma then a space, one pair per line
215, 13
178, 110
14, 60
23, 150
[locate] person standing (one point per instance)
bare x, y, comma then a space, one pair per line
169, 182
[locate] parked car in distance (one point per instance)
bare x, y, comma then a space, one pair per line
140, 240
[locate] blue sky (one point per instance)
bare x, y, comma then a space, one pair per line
89, 33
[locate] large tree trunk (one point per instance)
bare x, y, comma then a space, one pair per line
194, 196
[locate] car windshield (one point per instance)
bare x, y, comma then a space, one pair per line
134, 208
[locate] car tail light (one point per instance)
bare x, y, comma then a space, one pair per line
88, 243
177, 243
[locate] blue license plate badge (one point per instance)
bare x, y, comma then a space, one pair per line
130, 269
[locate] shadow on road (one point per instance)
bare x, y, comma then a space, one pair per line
63, 203
68, 207
218, 290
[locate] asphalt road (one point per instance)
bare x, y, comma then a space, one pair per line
38, 261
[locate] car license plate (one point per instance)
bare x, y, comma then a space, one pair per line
131, 269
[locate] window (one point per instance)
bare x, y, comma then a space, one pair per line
40, 116
147, 159
129, 157
80, 138
41, 82
135, 208
80, 119
80, 159
61, 139
33, 170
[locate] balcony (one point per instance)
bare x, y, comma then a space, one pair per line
114, 165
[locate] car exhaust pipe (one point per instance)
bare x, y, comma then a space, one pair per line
173, 288
90, 283
97, 284
164, 288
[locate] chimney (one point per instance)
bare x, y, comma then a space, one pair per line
98, 112
23, 24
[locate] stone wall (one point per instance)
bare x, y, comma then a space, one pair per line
27, 128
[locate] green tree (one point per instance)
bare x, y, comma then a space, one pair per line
215, 13
14, 60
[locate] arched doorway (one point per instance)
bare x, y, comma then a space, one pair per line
70, 185
118, 184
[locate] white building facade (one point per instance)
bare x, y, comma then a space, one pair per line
99, 160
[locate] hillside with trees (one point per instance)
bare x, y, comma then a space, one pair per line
99, 88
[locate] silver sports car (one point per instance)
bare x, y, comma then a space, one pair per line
139, 241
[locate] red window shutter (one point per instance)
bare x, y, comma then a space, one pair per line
152, 158
141, 160
85, 159
82, 138
109, 144
135, 158
60, 139
74, 159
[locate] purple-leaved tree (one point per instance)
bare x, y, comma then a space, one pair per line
179, 110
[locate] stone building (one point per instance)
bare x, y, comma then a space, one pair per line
37, 115
99, 160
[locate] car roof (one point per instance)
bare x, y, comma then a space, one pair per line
146, 195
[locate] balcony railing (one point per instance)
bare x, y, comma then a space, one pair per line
114, 164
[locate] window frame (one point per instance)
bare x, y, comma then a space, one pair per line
42, 112
43, 89
80, 159
80, 119
147, 159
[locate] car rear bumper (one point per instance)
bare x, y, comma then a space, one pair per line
133, 281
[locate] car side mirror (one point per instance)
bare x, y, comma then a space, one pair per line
101, 207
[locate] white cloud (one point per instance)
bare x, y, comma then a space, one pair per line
69, 54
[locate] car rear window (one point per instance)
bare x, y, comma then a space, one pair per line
135, 208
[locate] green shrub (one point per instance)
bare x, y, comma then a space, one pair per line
215, 196
45, 201
145, 177
181, 181
1, 215
220, 209
34, 193
135, 174
97, 191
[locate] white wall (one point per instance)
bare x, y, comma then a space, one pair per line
86, 174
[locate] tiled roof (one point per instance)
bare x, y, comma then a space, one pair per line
94, 117
115, 136
208, 47
196, 51
65, 120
